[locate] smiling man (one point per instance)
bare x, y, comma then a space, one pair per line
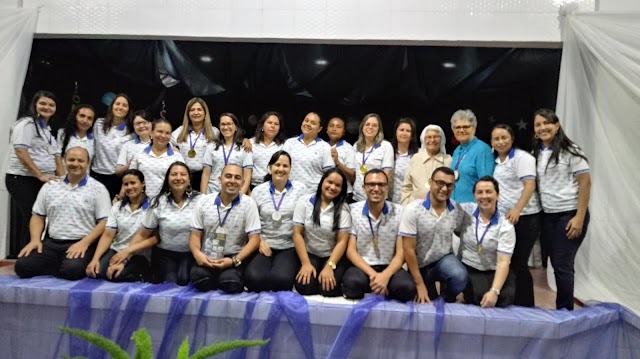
225, 232
77, 208
426, 228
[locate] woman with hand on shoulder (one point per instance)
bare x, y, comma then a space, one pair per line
372, 151
516, 173
472, 159
227, 149
169, 215
564, 184
267, 140
321, 226
194, 135
275, 267
342, 153
405, 145
486, 244
154, 160
77, 131
432, 155
109, 134
34, 160
124, 220
141, 126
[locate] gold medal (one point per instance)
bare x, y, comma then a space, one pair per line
479, 248
191, 153
363, 169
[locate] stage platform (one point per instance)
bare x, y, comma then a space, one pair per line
33, 309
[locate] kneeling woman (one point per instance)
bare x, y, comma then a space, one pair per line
125, 218
275, 266
487, 243
170, 215
321, 225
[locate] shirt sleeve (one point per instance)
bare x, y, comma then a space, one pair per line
353, 232
578, 164
350, 158
526, 168
103, 204
174, 137
134, 163
60, 139
387, 157
345, 219
112, 221
150, 220
40, 205
287, 146
506, 237
300, 211
327, 161
122, 157
408, 221
22, 134
196, 217
252, 219
247, 160
207, 160
485, 162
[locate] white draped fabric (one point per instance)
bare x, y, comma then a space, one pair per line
16, 35
599, 107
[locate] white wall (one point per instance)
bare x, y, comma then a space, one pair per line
361, 21
619, 5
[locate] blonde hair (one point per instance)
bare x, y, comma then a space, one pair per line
360, 144
209, 134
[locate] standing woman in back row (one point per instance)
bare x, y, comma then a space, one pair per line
267, 140
372, 151
77, 131
110, 133
564, 184
34, 159
405, 145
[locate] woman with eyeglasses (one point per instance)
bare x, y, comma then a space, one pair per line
372, 151
516, 173
472, 159
141, 126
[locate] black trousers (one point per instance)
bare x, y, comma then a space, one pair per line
562, 252
480, 282
170, 266
137, 269
112, 182
23, 191
314, 286
53, 261
527, 233
195, 180
355, 283
275, 273
229, 280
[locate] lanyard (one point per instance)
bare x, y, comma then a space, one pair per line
192, 145
375, 236
479, 242
277, 208
45, 131
460, 161
223, 221
364, 159
224, 154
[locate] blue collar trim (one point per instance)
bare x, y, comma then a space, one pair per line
427, 203
235, 201
494, 219
122, 126
318, 139
81, 183
272, 189
365, 209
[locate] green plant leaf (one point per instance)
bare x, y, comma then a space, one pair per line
183, 352
144, 347
99, 341
218, 348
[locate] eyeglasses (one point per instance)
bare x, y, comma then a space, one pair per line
464, 127
442, 184
372, 185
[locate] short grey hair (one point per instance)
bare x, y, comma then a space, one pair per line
464, 115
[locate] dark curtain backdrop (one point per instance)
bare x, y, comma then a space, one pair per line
499, 84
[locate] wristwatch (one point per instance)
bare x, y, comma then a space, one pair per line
495, 290
331, 264
236, 261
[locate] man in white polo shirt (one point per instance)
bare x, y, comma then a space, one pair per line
426, 228
225, 232
77, 208
375, 249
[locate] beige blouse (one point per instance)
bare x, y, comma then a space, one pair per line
416, 179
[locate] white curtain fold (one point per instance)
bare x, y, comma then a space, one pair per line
16, 35
599, 107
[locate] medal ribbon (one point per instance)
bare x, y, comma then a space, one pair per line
479, 242
364, 159
273, 200
460, 161
192, 145
223, 221
224, 154
43, 126
375, 237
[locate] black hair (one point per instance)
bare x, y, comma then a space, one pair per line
506, 127
446, 170
71, 126
166, 187
274, 158
142, 113
488, 179
374, 171
237, 137
33, 113
133, 172
560, 141
258, 136
108, 118
338, 202
413, 143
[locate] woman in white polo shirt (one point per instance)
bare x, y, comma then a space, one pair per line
515, 171
267, 140
405, 145
141, 126
34, 160
78, 130
276, 264
225, 150
109, 134
196, 132
486, 244
372, 151
564, 184
170, 214
321, 226
154, 160
123, 222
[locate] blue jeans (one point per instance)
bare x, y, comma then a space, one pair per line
450, 272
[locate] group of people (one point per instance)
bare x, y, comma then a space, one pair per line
203, 205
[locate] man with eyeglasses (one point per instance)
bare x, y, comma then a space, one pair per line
426, 228
375, 249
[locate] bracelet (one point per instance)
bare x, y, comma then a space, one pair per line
495, 290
